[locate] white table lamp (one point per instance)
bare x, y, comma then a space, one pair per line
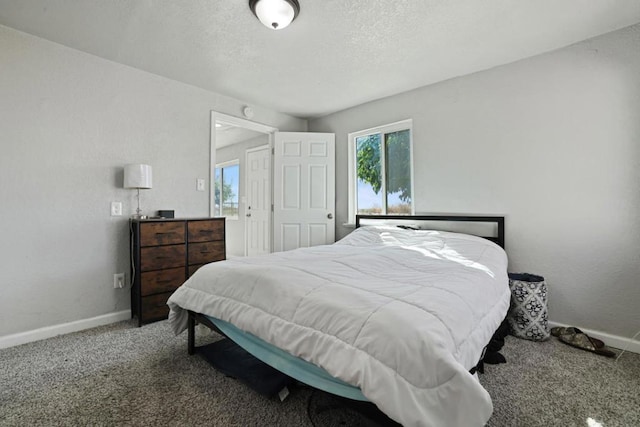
138, 176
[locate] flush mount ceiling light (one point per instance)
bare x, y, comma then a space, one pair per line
275, 14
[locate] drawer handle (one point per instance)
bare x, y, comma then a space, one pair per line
164, 233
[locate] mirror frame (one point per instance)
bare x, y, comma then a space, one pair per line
235, 121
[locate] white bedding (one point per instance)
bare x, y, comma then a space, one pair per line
402, 314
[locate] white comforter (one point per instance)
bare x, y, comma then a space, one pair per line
401, 314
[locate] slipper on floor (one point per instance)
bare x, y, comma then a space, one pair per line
558, 331
578, 339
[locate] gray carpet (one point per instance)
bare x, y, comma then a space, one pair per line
128, 376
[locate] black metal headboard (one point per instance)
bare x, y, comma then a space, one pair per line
496, 223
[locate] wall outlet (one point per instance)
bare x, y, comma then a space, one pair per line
118, 280
116, 208
200, 184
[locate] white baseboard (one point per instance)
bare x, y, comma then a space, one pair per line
615, 341
64, 328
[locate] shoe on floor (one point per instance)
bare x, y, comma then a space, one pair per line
561, 330
576, 338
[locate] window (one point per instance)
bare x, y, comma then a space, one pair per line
381, 171
226, 182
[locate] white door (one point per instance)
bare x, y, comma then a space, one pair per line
258, 206
304, 190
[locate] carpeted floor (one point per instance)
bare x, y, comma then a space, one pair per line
121, 375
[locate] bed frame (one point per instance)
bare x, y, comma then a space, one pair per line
488, 227
476, 225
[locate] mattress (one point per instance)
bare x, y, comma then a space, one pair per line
400, 314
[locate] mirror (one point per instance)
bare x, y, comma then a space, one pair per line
233, 140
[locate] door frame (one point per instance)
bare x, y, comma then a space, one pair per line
247, 124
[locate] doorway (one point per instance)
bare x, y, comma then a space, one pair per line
303, 190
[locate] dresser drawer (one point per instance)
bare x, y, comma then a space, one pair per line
155, 282
162, 233
155, 307
205, 231
202, 253
162, 257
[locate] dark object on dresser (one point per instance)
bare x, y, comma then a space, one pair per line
166, 214
165, 253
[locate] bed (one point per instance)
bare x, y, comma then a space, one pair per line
399, 311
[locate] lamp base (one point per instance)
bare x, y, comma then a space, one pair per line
138, 216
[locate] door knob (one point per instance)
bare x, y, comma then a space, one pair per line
330, 216
248, 215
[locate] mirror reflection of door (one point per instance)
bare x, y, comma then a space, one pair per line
243, 152
258, 190
234, 139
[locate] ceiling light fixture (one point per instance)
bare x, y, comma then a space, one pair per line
275, 14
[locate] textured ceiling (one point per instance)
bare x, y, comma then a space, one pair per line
336, 54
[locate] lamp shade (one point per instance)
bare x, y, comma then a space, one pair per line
275, 14
138, 176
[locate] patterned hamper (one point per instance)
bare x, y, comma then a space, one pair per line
527, 316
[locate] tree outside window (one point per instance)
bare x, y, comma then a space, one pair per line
383, 172
226, 190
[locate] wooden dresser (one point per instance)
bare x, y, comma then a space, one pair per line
165, 252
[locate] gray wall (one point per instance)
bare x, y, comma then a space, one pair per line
69, 122
552, 142
235, 232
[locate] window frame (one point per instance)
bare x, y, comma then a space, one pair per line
221, 166
382, 130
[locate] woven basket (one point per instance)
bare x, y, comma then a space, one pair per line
527, 316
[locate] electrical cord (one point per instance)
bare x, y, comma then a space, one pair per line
626, 347
309, 408
133, 265
321, 407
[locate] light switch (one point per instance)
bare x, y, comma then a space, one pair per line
200, 184
116, 208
